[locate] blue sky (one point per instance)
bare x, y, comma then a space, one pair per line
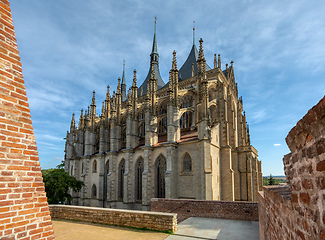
69, 48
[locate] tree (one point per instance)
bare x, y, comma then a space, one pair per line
271, 180
57, 183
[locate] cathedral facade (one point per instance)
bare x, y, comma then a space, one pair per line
187, 138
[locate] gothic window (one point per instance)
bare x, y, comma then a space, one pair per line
187, 163
187, 101
121, 171
186, 120
141, 115
94, 166
82, 167
162, 125
162, 108
138, 179
123, 136
71, 173
160, 176
212, 94
94, 191
97, 141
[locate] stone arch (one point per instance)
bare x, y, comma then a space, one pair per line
160, 170
139, 167
162, 108
121, 170
186, 119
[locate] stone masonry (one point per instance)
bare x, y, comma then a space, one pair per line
297, 211
24, 212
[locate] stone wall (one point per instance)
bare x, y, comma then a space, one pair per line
119, 217
298, 212
186, 208
24, 212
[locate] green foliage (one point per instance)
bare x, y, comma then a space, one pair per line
275, 180
57, 183
271, 180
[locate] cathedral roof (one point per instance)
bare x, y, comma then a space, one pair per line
154, 58
185, 71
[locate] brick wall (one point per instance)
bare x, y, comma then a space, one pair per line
300, 214
127, 218
24, 212
186, 208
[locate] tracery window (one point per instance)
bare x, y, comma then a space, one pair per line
162, 108
138, 179
121, 171
94, 191
162, 125
187, 163
94, 168
160, 176
186, 120
187, 101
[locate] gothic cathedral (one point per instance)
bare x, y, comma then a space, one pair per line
187, 138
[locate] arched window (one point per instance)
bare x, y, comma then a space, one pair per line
138, 179
141, 115
187, 163
186, 120
212, 94
71, 172
160, 176
141, 129
94, 191
187, 101
162, 108
94, 166
123, 131
121, 171
162, 125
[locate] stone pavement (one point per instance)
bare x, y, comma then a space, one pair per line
195, 228
68, 230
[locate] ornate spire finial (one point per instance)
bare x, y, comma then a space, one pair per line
93, 101
215, 60
219, 61
118, 90
134, 78
174, 64
107, 93
193, 33
232, 63
201, 54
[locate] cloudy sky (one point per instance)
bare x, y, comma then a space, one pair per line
69, 48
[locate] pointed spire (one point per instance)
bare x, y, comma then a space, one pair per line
154, 54
81, 119
73, 123
193, 33
107, 93
123, 76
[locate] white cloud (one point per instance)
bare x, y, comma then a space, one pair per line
276, 144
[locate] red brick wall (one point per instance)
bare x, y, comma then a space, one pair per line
186, 208
24, 212
302, 211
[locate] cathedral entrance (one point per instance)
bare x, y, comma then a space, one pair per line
160, 176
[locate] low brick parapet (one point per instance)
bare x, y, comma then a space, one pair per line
120, 217
186, 208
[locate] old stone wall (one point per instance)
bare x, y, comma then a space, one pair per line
299, 212
24, 212
186, 208
119, 217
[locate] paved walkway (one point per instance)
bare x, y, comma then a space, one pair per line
193, 228
67, 230
213, 228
